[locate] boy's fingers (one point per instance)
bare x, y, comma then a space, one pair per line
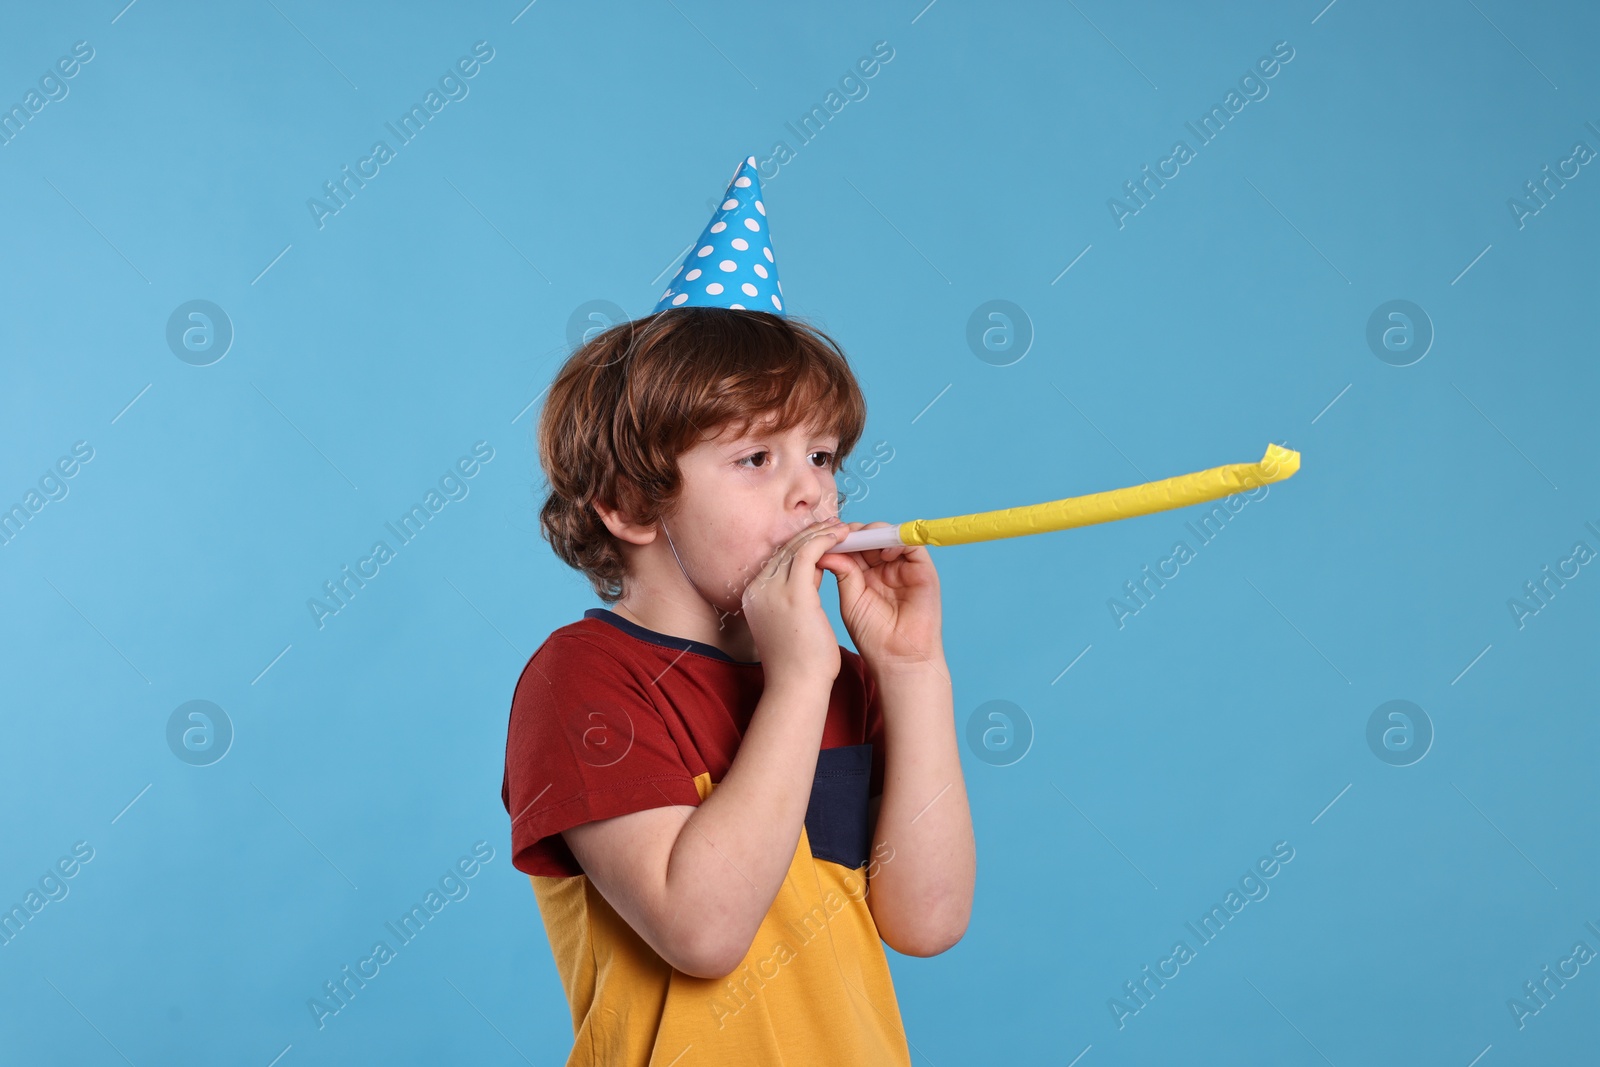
806, 532
782, 559
816, 544
787, 548
822, 538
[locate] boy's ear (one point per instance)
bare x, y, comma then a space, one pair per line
622, 527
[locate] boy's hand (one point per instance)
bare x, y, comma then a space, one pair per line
889, 601
784, 611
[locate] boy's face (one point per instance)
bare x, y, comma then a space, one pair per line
744, 496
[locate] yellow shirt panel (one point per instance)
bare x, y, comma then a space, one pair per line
814, 988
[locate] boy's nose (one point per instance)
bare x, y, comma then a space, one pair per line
809, 496
814, 507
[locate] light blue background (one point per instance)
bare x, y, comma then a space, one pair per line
430, 312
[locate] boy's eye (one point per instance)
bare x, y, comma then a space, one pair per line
751, 459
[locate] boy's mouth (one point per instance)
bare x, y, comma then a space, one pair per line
803, 525
777, 546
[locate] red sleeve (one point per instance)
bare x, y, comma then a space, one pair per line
585, 742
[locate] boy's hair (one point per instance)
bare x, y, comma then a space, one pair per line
630, 401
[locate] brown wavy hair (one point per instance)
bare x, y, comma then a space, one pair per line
631, 400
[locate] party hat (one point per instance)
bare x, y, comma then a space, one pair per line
731, 266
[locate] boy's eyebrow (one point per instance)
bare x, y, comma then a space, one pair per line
757, 436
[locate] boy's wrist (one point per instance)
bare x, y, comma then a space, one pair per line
930, 665
800, 685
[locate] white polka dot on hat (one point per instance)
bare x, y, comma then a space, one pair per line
738, 259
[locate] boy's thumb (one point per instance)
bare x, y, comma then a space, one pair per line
842, 572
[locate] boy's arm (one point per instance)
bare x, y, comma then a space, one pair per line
695, 881
921, 896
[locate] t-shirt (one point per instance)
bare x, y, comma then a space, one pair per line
609, 718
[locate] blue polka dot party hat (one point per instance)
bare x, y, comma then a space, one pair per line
731, 266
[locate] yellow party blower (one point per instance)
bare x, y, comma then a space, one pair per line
1279, 463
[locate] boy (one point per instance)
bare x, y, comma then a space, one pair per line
723, 813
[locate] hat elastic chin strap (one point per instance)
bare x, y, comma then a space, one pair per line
718, 611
